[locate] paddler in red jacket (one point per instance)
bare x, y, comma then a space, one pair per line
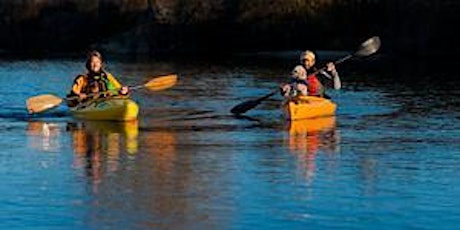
315, 87
95, 82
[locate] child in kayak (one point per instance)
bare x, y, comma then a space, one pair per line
96, 83
297, 85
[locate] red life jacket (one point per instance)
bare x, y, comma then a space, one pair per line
315, 88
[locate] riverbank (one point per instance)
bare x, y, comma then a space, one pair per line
161, 28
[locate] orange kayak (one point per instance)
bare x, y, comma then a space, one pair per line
306, 107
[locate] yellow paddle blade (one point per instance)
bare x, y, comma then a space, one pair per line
161, 83
41, 103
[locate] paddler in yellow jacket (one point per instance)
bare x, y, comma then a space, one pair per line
96, 83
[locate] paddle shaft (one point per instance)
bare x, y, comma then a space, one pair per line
136, 87
41, 103
92, 94
158, 83
367, 48
343, 59
273, 92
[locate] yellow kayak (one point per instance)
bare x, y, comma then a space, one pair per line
306, 107
107, 109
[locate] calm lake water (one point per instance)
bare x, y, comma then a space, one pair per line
390, 159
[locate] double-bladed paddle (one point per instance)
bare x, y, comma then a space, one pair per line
44, 102
367, 48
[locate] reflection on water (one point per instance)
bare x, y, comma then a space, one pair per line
98, 146
43, 136
94, 143
386, 161
111, 137
161, 146
309, 137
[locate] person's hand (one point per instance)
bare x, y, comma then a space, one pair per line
331, 68
124, 90
82, 96
303, 89
284, 89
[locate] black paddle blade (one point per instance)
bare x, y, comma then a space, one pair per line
369, 47
244, 107
247, 105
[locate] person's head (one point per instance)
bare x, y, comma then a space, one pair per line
94, 62
308, 59
299, 72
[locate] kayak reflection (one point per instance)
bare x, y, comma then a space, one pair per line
98, 146
106, 136
309, 137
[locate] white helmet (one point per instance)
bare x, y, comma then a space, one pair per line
307, 53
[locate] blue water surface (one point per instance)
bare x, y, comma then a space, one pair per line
389, 159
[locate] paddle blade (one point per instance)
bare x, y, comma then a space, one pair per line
248, 105
41, 103
244, 107
161, 83
369, 47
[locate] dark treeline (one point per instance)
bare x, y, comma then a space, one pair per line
156, 27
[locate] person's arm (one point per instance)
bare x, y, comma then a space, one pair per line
335, 76
115, 84
337, 84
77, 88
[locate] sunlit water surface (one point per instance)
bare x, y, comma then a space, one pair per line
390, 159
